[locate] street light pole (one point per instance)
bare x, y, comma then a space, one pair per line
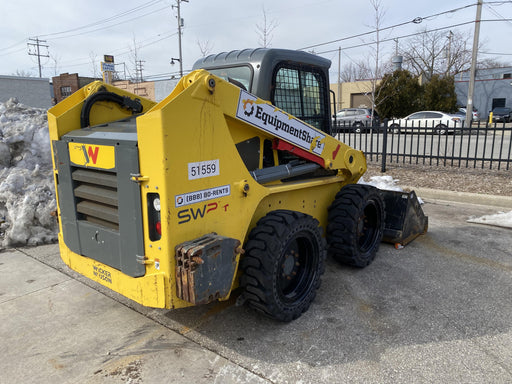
179, 34
471, 89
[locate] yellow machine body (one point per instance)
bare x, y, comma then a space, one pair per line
189, 156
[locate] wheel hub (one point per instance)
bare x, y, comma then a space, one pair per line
290, 264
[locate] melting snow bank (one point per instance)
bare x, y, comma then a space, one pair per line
501, 219
382, 182
386, 183
27, 197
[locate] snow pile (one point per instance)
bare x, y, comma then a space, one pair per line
382, 182
501, 219
27, 197
386, 183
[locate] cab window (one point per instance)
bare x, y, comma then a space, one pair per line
302, 92
239, 75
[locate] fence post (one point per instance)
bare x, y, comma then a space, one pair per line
384, 146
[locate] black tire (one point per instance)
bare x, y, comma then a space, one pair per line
395, 128
284, 259
441, 129
355, 225
358, 127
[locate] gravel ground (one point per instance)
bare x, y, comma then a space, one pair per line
484, 181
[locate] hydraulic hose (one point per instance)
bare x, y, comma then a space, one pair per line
124, 102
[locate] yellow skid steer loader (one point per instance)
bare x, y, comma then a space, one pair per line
233, 180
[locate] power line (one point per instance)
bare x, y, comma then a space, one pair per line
400, 37
496, 13
408, 35
123, 51
416, 20
13, 45
103, 21
108, 26
12, 52
495, 53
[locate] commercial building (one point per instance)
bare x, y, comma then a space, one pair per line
356, 94
65, 84
31, 91
493, 88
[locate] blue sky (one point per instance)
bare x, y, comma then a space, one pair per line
114, 26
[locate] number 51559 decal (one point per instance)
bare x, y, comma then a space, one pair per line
203, 169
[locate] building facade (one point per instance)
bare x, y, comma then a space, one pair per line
31, 91
493, 88
144, 89
66, 84
356, 94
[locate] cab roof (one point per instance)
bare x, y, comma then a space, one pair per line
259, 56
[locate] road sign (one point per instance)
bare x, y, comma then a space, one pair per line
108, 67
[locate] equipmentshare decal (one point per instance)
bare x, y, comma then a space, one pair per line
275, 121
198, 196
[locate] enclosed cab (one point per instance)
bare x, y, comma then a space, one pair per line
294, 81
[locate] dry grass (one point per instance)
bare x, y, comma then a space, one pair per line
485, 181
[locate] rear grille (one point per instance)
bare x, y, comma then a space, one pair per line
97, 199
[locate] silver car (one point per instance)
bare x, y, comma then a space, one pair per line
356, 119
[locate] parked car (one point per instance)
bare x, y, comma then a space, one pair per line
476, 114
356, 119
501, 114
438, 122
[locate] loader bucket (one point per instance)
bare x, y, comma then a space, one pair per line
405, 219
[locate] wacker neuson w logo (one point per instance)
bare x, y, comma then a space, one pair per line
90, 155
275, 121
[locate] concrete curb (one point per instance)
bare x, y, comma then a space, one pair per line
462, 197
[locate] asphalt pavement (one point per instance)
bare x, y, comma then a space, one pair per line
437, 311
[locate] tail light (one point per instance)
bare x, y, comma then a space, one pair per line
154, 218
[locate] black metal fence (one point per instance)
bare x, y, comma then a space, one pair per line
481, 145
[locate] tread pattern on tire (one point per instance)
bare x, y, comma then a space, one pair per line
343, 216
262, 252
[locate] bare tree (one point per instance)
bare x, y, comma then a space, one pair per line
354, 71
94, 64
371, 68
55, 64
374, 64
265, 30
437, 53
205, 47
490, 63
22, 73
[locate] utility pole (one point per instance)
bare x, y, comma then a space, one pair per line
180, 25
38, 53
139, 66
471, 90
449, 53
339, 78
